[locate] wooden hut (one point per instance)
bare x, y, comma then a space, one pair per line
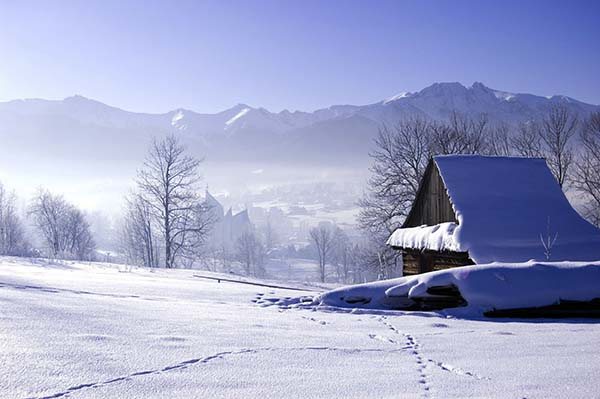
476, 209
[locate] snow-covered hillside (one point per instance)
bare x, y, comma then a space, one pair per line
108, 331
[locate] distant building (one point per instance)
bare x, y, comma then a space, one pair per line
479, 209
228, 227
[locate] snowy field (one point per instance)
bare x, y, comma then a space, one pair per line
105, 331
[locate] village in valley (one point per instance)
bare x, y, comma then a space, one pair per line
156, 241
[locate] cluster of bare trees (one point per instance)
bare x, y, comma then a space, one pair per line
570, 146
166, 222
551, 137
402, 154
349, 260
12, 235
62, 227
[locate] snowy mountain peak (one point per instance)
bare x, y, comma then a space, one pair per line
500, 95
76, 98
443, 89
398, 96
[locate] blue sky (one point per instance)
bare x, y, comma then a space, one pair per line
209, 55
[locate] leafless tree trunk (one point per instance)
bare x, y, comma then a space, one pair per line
322, 237
168, 182
556, 132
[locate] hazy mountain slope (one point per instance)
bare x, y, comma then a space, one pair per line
77, 127
90, 151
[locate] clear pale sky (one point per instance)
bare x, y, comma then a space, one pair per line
209, 55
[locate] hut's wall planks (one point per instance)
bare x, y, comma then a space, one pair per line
432, 204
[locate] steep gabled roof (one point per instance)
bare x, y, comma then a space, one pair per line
213, 204
503, 206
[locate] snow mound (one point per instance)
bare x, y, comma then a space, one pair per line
483, 287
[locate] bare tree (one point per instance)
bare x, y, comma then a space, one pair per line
527, 142
400, 158
342, 256
399, 162
48, 212
168, 182
556, 132
63, 227
12, 236
322, 237
587, 168
139, 237
251, 253
79, 241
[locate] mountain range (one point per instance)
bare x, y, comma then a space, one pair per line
82, 128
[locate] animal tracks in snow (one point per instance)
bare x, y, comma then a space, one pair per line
456, 370
413, 347
321, 322
203, 360
423, 363
177, 366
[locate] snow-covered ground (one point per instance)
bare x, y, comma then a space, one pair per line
107, 331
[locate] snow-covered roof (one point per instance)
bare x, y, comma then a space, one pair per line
504, 206
436, 238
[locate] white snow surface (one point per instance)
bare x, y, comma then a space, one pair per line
237, 116
506, 205
436, 238
107, 331
484, 287
398, 96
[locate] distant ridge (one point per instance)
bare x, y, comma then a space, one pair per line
245, 132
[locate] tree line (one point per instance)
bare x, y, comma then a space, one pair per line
60, 227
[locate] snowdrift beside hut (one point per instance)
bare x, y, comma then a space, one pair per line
477, 290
